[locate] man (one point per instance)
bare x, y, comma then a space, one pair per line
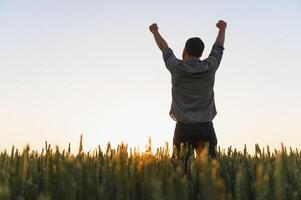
193, 105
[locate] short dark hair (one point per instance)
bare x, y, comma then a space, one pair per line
194, 47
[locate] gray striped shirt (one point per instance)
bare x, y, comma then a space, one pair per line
192, 85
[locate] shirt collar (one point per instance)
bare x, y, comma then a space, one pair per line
193, 59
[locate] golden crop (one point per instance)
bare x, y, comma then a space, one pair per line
124, 174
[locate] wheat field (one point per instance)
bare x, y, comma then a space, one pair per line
126, 174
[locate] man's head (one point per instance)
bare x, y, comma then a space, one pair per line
194, 47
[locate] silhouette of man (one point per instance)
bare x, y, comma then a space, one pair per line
193, 105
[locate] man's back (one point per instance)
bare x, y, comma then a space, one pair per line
192, 86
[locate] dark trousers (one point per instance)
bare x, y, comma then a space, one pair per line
196, 135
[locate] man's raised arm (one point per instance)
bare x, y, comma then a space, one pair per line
221, 25
162, 44
168, 56
216, 53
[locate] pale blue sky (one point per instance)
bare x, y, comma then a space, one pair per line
92, 67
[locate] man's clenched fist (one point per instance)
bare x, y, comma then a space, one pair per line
221, 24
153, 28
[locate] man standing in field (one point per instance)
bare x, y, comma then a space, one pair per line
193, 105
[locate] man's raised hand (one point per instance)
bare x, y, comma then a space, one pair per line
153, 28
221, 24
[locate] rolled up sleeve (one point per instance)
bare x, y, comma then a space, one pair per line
170, 59
215, 56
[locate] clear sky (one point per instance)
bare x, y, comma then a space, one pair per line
92, 67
